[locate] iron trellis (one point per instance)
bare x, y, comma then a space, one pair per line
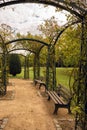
51, 69
81, 118
36, 56
79, 9
4, 67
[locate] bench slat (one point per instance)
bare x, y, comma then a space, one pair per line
50, 94
63, 90
59, 98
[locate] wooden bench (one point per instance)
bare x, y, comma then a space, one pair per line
40, 83
61, 98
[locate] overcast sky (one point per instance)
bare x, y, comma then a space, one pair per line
26, 17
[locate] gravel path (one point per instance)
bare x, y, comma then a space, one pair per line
26, 110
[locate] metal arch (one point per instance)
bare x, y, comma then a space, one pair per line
41, 48
72, 4
29, 39
71, 7
36, 65
20, 54
64, 28
3, 43
22, 49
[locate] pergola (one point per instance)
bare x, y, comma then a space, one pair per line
26, 59
33, 49
79, 9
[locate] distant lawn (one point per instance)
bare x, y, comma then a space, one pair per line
21, 75
62, 75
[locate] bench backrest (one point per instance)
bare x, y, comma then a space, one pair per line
41, 78
64, 92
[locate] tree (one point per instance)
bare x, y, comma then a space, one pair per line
49, 28
68, 46
6, 32
14, 64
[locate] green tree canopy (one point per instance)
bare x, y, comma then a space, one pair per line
68, 47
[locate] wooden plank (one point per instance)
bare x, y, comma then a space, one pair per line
59, 98
51, 96
55, 97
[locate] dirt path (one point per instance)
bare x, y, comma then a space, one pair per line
27, 110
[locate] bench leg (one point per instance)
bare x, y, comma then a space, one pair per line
40, 86
35, 83
48, 98
69, 111
56, 109
43, 85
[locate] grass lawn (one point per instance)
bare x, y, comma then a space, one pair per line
62, 75
21, 75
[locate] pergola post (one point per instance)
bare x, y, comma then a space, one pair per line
3, 86
51, 69
36, 66
25, 68
81, 116
4, 73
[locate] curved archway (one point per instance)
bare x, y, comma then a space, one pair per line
70, 6
64, 28
81, 13
28, 39
26, 61
36, 58
26, 49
